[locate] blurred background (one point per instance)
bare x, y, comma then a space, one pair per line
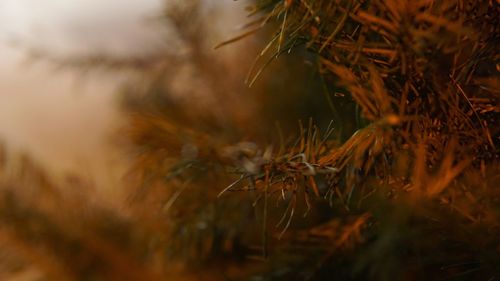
66, 119
62, 126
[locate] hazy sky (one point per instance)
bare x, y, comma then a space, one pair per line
63, 121
79, 25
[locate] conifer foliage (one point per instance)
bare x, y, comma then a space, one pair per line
424, 75
395, 178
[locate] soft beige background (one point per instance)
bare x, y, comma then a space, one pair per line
64, 120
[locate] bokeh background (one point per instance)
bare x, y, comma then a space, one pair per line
64, 118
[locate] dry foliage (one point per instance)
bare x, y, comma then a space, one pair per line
423, 74
402, 185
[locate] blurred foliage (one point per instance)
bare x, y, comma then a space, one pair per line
393, 174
